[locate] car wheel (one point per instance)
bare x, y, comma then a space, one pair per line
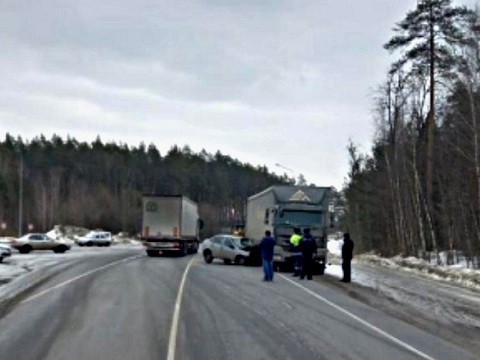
1, 259
207, 256
80, 244
25, 249
108, 244
60, 249
240, 260
89, 243
227, 261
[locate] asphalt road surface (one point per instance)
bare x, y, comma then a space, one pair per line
125, 305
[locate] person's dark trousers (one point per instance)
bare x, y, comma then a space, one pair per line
347, 270
297, 264
267, 270
307, 268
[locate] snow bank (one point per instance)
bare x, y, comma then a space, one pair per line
334, 247
453, 273
67, 233
123, 238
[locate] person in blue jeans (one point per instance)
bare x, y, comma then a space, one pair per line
266, 247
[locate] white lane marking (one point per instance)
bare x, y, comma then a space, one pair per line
287, 305
363, 322
69, 281
172, 342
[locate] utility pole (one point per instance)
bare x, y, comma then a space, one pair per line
20, 196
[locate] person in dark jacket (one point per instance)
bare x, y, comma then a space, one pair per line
347, 255
308, 247
266, 248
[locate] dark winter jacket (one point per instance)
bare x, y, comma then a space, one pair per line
266, 247
347, 248
308, 246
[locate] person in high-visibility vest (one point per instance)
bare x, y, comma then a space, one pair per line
295, 240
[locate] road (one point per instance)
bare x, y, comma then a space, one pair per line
124, 305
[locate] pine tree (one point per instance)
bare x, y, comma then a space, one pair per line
427, 35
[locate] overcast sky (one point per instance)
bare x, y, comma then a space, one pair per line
265, 81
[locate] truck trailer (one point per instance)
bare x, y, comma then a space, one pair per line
280, 209
170, 224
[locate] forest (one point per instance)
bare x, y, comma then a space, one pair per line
99, 185
418, 192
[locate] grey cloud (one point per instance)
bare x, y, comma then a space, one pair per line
241, 76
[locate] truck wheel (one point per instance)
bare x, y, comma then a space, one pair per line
153, 253
319, 269
283, 267
195, 247
240, 260
183, 250
227, 261
207, 256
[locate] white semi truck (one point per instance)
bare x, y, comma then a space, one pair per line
170, 224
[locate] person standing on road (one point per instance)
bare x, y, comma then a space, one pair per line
295, 240
347, 255
308, 247
266, 247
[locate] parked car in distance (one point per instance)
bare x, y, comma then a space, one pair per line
98, 238
229, 248
36, 241
5, 251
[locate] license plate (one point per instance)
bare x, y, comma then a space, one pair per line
277, 258
162, 245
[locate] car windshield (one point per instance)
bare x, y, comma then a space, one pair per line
298, 218
242, 242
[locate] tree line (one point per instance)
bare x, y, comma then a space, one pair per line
99, 185
418, 192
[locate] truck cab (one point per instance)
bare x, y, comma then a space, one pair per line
285, 220
280, 209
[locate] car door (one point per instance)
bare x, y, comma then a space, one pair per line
48, 243
99, 239
217, 246
229, 248
36, 241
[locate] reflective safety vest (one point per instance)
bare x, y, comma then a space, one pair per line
295, 239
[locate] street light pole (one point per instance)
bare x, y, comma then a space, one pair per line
285, 168
20, 197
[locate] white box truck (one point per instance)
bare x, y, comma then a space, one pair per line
170, 224
280, 209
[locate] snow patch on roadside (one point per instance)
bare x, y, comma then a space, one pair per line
335, 247
453, 273
21, 264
